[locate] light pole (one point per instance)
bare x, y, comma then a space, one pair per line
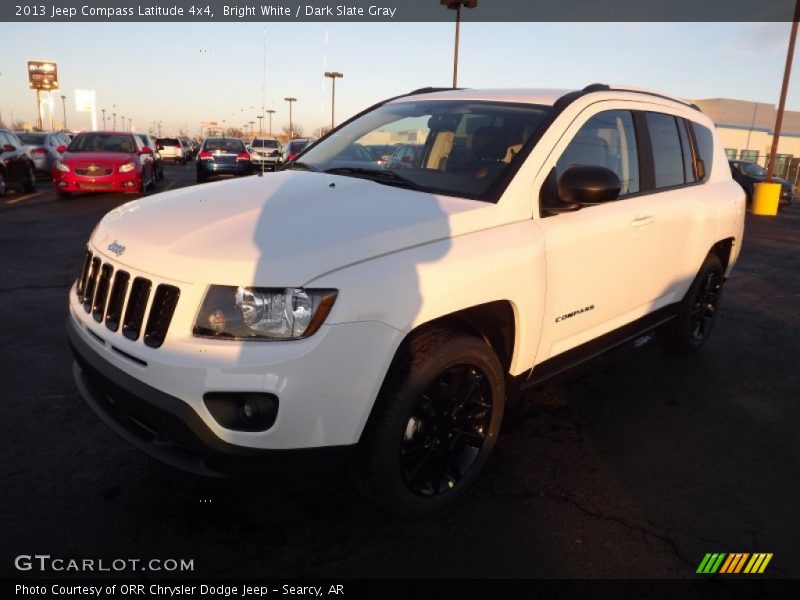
64, 108
333, 75
123, 122
251, 123
456, 6
103, 110
114, 115
291, 127
260, 119
270, 112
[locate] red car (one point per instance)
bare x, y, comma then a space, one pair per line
104, 161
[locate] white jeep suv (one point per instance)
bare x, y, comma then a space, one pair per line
342, 310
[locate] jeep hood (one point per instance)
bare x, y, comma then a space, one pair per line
282, 229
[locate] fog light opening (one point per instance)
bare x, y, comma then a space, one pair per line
242, 411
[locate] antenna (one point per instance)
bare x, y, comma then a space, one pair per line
263, 91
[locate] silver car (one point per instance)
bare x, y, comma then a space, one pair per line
264, 153
43, 148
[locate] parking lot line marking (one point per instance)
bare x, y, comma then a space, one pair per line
21, 198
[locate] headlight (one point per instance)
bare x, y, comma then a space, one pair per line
128, 166
62, 167
262, 313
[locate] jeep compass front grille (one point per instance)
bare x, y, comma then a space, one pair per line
112, 297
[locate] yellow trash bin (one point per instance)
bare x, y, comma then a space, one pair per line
766, 198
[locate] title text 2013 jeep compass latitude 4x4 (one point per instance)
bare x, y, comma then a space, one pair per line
338, 308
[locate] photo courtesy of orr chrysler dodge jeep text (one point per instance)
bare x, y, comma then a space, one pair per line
341, 308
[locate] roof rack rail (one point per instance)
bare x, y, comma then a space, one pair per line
569, 98
431, 90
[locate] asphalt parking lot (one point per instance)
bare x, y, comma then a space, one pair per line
634, 466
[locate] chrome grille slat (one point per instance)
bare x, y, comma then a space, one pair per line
101, 293
87, 261
137, 305
116, 300
164, 303
91, 284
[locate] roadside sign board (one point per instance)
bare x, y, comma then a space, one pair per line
84, 100
42, 75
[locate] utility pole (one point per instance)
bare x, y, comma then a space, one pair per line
333, 75
456, 6
291, 126
260, 119
103, 110
64, 108
270, 112
784, 88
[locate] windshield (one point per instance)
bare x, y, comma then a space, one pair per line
168, 142
102, 142
257, 143
754, 169
31, 138
458, 147
227, 145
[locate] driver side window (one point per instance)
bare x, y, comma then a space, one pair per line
607, 140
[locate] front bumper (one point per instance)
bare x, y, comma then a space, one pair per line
326, 384
116, 182
169, 430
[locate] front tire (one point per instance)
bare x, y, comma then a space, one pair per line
697, 313
436, 422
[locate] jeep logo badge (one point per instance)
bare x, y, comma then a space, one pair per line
116, 248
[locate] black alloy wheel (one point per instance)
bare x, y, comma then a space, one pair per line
446, 431
434, 424
697, 313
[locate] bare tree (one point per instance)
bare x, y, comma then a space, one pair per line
234, 132
299, 130
320, 131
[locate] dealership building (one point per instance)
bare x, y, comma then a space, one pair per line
746, 130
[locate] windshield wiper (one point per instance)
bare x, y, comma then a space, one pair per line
300, 166
384, 177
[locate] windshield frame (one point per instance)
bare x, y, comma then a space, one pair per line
495, 190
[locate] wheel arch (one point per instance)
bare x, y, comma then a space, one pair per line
493, 322
724, 250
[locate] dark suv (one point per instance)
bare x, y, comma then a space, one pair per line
16, 166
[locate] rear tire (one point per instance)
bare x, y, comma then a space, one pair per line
697, 313
30, 183
434, 424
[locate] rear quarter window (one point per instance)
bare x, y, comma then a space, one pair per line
704, 139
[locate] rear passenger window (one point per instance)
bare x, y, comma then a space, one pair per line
667, 152
686, 146
607, 140
705, 146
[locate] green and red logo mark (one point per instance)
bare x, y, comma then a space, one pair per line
734, 563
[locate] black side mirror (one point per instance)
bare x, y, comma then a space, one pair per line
587, 185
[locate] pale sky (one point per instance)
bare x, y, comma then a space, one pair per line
157, 72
